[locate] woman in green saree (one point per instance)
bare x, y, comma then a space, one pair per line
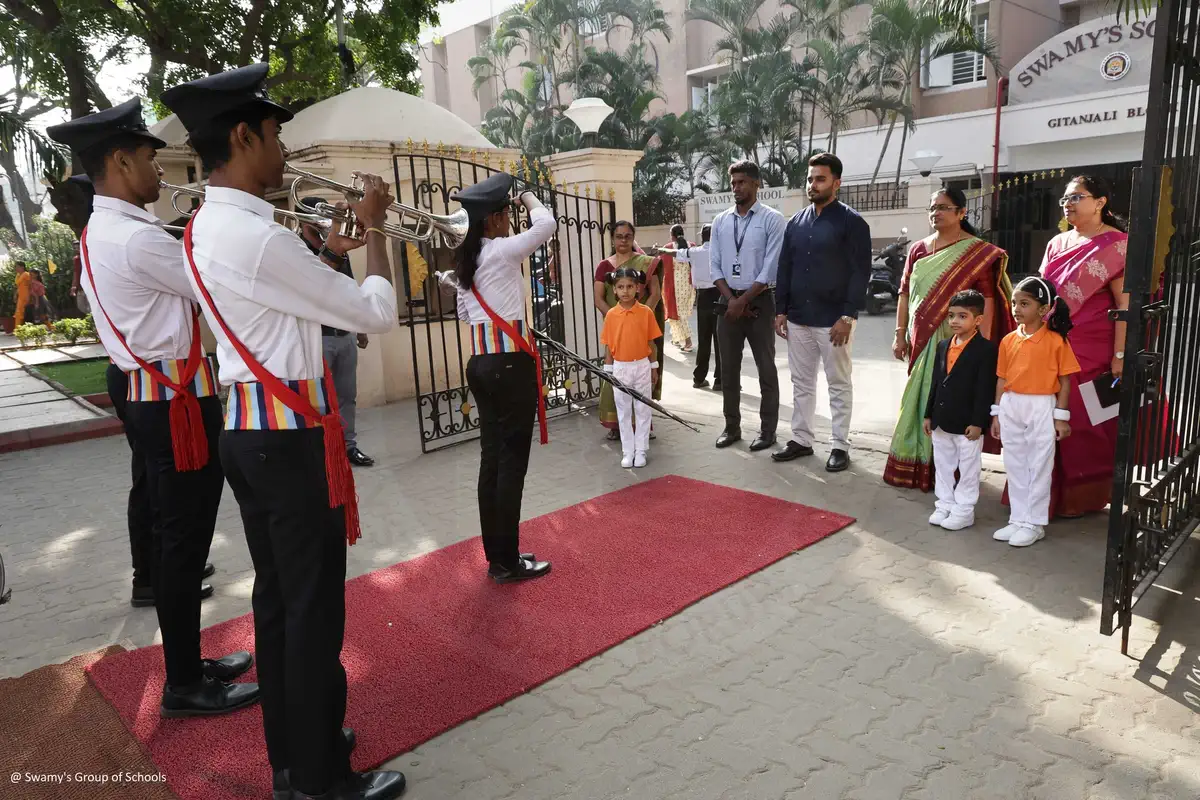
952, 260
627, 255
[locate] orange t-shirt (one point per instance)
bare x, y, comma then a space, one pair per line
1033, 365
953, 351
628, 333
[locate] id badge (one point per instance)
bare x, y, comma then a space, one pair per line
737, 269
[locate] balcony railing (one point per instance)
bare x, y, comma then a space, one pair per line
874, 196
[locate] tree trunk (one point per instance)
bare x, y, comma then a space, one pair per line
883, 151
900, 160
26, 208
6, 217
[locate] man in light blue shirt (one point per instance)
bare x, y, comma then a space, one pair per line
744, 255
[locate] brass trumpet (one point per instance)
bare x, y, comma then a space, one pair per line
414, 225
292, 220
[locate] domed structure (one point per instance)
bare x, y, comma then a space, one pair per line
375, 114
365, 114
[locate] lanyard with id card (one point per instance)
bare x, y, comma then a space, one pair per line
737, 242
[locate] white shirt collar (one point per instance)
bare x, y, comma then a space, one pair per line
236, 197
753, 209
119, 206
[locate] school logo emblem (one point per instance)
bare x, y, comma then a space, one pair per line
1116, 66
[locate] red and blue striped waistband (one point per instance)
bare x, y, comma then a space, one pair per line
143, 387
250, 407
487, 338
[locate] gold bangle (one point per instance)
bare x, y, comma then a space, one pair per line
376, 230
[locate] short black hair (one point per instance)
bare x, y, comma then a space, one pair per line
211, 142
93, 159
970, 300
706, 232
827, 160
745, 167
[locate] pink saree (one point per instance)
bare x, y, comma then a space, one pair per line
1083, 465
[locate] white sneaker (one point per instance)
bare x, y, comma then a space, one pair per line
626, 462
956, 522
1006, 533
639, 460
1027, 535
938, 516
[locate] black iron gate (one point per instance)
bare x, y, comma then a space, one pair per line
560, 280
1156, 484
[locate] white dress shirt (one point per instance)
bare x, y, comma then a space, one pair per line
141, 279
698, 257
272, 292
498, 277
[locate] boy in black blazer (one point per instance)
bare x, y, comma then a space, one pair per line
959, 411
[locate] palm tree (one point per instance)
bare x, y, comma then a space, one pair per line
902, 39
821, 19
846, 86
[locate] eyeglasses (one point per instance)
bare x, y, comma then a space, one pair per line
1072, 199
943, 208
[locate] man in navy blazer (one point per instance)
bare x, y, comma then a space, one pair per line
959, 411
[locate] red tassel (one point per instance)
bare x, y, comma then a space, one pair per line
189, 440
339, 475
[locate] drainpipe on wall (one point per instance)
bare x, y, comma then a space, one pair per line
1001, 85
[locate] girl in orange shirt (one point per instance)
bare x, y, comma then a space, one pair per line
1030, 415
629, 333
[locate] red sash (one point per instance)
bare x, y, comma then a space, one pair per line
189, 440
337, 465
527, 347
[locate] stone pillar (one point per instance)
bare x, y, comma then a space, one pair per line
921, 189
599, 167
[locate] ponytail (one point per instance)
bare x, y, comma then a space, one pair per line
467, 255
637, 275
1059, 319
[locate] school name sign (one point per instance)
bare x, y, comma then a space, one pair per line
1097, 56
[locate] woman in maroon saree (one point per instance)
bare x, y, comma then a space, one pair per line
1087, 266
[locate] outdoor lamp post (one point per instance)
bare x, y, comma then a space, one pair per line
925, 161
588, 114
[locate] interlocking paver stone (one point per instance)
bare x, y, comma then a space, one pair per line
890, 660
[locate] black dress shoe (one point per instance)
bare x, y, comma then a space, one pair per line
209, 569
762, 443
143, 596
716, 386
377, 785
358, 458
791, 450
227, 667
281, 784
207, 698
701, 384
839, 460
728, 437
525, 569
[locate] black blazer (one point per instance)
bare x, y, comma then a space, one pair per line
965, 396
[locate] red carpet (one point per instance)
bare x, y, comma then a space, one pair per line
431, 642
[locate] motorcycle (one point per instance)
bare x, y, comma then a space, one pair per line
5, 592
887, 270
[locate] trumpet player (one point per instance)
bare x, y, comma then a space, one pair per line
266, 297
504, 372
147, 320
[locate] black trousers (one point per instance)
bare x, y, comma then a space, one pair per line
505, 389
731, 338
706, 321
185, 515
298, 546
140, 512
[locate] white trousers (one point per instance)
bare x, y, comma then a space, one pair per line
633, 415
953, 451
808, 347
1027, 434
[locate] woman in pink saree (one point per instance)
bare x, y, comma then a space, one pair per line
1087, 266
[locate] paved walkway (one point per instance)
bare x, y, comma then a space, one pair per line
891, 660
28, 403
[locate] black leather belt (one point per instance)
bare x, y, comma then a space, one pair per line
332, 331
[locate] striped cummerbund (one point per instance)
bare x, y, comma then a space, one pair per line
251, 407
487, 338
143, 388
